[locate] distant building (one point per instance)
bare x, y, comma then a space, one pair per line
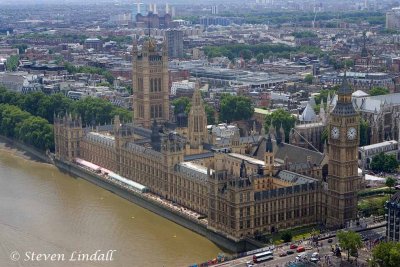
139, 8
207, 21
93, 43
174, 40
182, 86
214, 10
393, 218
367, 153
393, 19
153, 21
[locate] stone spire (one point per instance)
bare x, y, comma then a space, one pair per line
322, 114
268, 146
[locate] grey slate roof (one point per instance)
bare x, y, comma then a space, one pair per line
295, 177
294, 153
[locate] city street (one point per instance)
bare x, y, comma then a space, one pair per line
326, 258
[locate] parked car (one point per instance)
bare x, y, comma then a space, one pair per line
283, 254
293, 246
290, 252
300, 249
330, 240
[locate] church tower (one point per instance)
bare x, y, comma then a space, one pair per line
150, 84
197, 124
343, 180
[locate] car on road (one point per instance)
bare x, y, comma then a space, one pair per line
301, 256
290, 252
300, 249
283, 254
314, 260
293, 246
330, 240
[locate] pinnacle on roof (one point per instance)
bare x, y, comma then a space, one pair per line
268, 145
345, 88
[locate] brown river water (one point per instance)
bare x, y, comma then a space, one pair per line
48, 218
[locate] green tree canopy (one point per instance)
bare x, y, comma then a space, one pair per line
260, 58
304, 34
309, 79
384, 163
10, 116
386, 254
181, 103
247, 51
92, 110
93, 70
286, 236
235, 108
36, 131
21, 125
246, 54
378, 91
210, 112
390, 182
281, 117
323, 94
349, 241
12, 63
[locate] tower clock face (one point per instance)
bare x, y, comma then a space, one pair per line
351, 133
335, 132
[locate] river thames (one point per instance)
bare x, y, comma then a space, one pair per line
46, 212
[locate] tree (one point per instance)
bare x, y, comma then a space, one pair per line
384, 163
378, 91
36, 131
12, 63
323, 95
21, 48
246, 54
281, 117
350, 241
235, 108
10, 116
364, 137
260, 58
181, 104
210, 112
286, 236
308, 79
386, 254
390, 182
305, 34
93, 110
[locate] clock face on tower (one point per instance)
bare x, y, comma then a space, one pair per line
351, 133
335, 132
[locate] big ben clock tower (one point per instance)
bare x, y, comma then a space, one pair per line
343, 180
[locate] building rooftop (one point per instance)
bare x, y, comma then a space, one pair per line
248, 159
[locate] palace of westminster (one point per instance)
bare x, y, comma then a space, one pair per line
244, 186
